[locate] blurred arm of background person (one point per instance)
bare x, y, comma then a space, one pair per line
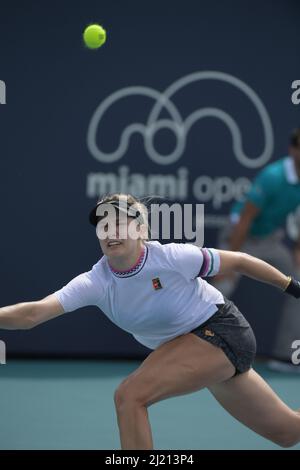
242, 227
297, 240
294, 151
239, 234
26, 315
297, 253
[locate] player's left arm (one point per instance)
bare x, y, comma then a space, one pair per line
258, 269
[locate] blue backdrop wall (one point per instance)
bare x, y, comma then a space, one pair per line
187, 101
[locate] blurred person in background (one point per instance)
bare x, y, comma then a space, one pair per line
257, 226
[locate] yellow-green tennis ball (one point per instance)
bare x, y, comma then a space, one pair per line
94, 36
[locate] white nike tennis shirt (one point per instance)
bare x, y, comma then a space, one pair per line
161, 297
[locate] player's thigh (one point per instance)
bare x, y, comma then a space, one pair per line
252, 401
183, 365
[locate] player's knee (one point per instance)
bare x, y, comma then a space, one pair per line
127, 396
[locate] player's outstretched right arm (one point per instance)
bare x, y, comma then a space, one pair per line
26, 315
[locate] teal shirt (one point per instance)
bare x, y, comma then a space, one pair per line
276, 191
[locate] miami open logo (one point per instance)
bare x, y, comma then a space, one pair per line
149, 113
2, 92
164, 102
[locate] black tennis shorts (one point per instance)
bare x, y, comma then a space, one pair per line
229, 330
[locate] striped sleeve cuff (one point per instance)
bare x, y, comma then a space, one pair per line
211, 262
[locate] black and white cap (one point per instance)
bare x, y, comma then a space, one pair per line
120, 205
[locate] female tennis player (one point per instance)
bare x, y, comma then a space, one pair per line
199, 338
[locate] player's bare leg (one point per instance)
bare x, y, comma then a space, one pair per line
183, 365
251, 400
